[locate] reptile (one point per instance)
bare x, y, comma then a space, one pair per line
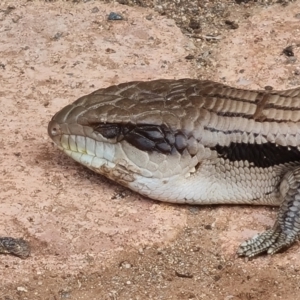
194, 142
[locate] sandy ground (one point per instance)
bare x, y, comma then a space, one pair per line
91, 238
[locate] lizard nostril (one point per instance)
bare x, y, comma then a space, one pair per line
53, 129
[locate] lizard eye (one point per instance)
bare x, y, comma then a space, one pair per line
108, 131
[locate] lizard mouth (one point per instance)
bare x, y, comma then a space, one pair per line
108, 159
93, 154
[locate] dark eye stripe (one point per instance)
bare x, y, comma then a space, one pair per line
145, 137
139, 141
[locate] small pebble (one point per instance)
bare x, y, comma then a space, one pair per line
288, 51
95, 10
21, 289
114, 17
194, 24
268, 88
189, 57
231, 24
57, 36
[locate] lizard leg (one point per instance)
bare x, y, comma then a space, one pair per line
287, 226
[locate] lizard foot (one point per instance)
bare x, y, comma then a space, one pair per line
270, 241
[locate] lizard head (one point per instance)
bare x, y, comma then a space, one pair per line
134, 140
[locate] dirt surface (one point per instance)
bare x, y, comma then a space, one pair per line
91, 238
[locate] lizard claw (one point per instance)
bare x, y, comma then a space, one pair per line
270, 241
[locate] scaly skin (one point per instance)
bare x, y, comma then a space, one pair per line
196, 142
